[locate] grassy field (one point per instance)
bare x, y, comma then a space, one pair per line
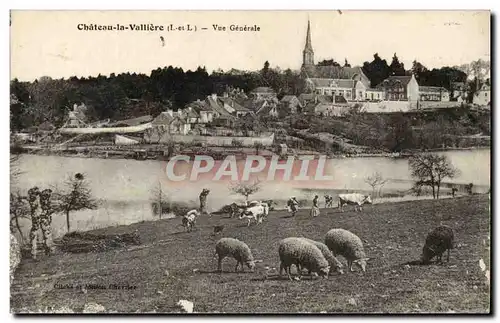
171, 265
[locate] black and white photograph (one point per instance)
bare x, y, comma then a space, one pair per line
250, 162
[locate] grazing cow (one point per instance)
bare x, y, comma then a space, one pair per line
263, 203
355, 199
328, 201
189, 220
257, 213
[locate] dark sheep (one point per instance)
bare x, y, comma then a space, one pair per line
438, 241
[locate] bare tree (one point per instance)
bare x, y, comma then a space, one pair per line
376, 181
78, 197
245, 188
430, 170
159, 199
19, 208
15, 172
258, 145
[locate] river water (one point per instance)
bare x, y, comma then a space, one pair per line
125, 187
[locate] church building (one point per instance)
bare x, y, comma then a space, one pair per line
349, 82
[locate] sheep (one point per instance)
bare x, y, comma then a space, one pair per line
348, 245
335, 264
437, 242
234, 248
299, 252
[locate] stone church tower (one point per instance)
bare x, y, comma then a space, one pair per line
308, 53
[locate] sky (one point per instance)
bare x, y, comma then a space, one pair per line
48, 43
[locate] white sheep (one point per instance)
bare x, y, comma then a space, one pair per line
348, 245
335, 264
234, 248
303, 254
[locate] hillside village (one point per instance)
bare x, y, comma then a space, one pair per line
264, 118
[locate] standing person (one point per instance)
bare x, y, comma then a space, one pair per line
315, 206
46, 219
203, 201
293, 205
35, 212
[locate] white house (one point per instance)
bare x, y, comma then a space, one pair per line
434, 93
483, 96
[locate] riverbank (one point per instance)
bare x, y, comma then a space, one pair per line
156, 152
171, 265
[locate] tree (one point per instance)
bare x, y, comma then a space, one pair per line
19, 208
419, 71
265, 73
377, 70
258, 145
396, 68
429, 170
245, 189
158, 199
78, 197
376, 181
329, 62
400, 133
18, 203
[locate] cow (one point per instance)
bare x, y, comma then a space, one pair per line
263, 203
257, 213
328, 201
189, 220
355, 199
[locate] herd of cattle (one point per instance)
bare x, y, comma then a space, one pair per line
257, 211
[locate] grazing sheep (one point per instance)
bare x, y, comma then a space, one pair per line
303, 254
335, 264
438, 241
234, 248
348, 245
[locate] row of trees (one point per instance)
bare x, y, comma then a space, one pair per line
131, 95
403, 131
428, 170
127, 95
74, 196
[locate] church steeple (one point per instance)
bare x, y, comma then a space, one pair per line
308, 53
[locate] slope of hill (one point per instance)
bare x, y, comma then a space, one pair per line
171, 265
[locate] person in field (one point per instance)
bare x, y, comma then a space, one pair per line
203, 201
315, 206
292, 205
